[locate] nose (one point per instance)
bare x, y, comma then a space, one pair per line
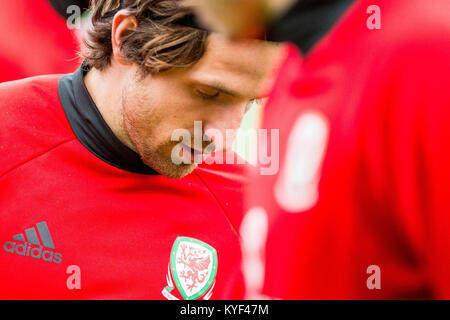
221, 127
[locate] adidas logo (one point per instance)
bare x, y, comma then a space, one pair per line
32, 238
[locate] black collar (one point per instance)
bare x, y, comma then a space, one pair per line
307, 22
91, 129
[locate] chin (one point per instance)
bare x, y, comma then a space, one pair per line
171, 170
179, 173
159, 159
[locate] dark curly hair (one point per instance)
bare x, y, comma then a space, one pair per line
165, 36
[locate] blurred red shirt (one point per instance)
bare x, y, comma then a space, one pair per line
362, 191
34, 40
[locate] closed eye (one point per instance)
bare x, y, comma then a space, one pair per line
207, 93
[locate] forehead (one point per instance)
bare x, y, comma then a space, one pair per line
239, 66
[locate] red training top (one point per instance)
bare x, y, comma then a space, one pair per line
66, 215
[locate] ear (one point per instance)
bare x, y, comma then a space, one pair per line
122, 25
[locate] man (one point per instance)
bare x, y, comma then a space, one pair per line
88, 204
359, 208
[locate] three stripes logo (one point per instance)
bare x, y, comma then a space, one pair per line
31, 239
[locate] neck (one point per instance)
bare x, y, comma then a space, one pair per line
105, 88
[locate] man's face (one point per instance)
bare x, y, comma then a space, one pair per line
216, 91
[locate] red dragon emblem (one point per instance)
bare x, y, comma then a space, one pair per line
192, 270
196, 262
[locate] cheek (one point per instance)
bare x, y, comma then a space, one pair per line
154, 110
149, 120
138, 113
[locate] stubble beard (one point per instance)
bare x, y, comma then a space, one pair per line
140, 133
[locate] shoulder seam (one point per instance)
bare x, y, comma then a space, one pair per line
35, 157
220, 204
